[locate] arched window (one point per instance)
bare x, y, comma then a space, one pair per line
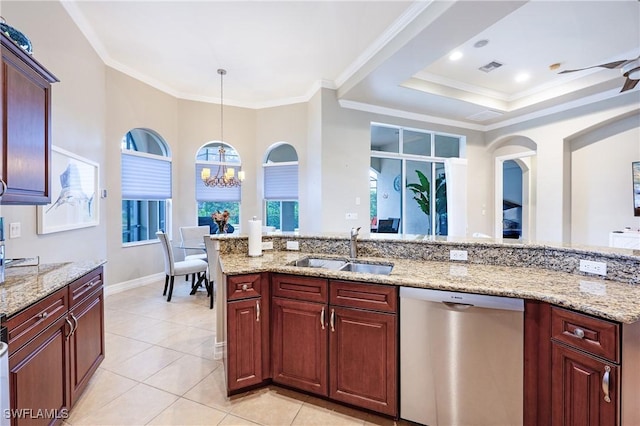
281, 187
212, 198
146, 185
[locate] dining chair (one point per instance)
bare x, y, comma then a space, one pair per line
191, 234
213, 250
184, 267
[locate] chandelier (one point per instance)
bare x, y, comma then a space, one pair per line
225, 177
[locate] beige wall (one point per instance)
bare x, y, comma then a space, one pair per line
78, 125
131, 104
94, 106
601, 192
554, 137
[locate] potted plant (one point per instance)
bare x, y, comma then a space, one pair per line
422, 195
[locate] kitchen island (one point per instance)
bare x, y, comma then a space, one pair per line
562, 306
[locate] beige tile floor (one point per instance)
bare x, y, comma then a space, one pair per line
159, 370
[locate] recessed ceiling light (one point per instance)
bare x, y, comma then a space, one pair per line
522, 77
481, 43
455, 55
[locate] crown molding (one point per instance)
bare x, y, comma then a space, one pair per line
375, 109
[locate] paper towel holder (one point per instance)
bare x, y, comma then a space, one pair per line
255, 237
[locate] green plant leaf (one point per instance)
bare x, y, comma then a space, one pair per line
421, 192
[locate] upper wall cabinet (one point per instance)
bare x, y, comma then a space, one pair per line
25, 141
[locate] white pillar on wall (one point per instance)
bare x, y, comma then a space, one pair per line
455, 170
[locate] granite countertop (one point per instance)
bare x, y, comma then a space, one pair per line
25, 285
609, 299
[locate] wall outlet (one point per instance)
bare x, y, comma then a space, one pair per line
15, 230
293, 245
457, 254
267, 245
592, 267
351, 216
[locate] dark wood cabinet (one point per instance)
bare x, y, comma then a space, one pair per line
363, 359
336, 339
38, 378
299, 339
585, 380
86, 342
25, 140
579, 369
363, 345
56, 346
246, 357
584, 389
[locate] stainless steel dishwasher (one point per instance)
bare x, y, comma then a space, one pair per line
461, 358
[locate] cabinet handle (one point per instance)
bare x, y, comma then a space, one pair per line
257, 311
4, 187
333, 320
75, 320
43, 315
70, 328
322, 318
579, 333
244, 287
605, 383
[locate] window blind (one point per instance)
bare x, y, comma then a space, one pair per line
281, 182
145, 178
206, 193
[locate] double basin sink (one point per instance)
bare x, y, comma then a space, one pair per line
350, 265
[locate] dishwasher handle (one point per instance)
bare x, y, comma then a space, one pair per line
458, 306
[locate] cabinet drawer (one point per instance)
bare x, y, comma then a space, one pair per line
365, 296
244, 286
301, 288
85, 286
594, 335
27, 324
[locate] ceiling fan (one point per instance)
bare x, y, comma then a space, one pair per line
630, 70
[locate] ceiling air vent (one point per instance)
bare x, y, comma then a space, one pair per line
490, 66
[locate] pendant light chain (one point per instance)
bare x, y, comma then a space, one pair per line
222, 73
224, 177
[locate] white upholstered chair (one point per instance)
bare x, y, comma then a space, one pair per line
191, 234
185, 267
213, 251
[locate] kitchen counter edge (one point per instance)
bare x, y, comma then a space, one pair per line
593, 295
26, 285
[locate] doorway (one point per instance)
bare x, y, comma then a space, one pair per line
513, 216
511, 200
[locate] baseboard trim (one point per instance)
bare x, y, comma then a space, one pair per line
128, 285
218, 350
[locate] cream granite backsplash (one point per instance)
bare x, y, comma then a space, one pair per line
528, 271
622, 264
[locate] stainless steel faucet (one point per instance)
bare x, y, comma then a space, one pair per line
353, 249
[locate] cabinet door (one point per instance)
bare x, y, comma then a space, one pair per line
363, 359
299, 344
38, 378
244, 344
86, 342
578, 389
26, 143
